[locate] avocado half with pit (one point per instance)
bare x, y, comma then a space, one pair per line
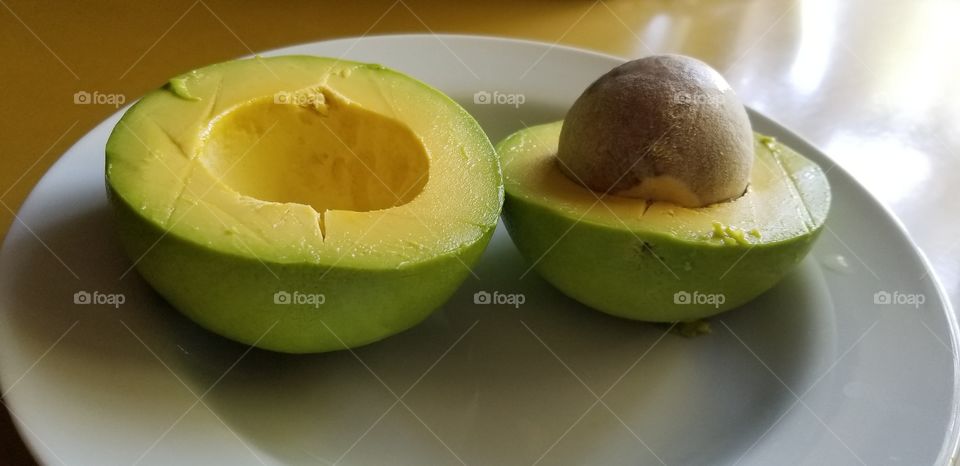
609, 205
302, 204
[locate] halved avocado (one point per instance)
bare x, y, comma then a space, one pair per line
654, 260
302, 204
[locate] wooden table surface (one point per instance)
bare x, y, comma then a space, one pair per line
874, 83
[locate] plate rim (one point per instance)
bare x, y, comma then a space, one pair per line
950, 447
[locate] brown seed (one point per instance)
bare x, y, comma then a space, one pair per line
664, 127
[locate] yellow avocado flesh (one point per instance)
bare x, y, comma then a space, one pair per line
332, 155
787, 195
656, 261
306, 160
302, 204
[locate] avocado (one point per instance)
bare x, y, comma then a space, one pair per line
302, 204
654, 199
656, 260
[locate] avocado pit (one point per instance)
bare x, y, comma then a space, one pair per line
660, 128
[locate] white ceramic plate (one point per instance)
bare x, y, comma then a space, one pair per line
813, 372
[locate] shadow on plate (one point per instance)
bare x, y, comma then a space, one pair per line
496, 383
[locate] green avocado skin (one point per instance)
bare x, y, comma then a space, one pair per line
233, 296
642, 271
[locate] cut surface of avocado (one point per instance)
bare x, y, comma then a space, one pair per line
302, 174
630, 257
786, 197
292, 158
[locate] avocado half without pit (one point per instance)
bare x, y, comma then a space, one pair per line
654, 200
302, 204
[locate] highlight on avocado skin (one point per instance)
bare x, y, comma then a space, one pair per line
654, 199
302, 204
